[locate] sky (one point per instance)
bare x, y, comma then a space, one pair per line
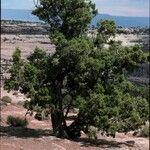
138, 8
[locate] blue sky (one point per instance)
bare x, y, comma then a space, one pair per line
112, 7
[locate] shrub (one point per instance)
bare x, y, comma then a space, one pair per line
6, 99
2, 103
91, 132
16, 121
145, 131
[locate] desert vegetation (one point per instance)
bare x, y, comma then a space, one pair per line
145, 130
6, 99
82, 73
16, 121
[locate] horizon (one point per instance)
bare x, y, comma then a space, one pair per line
128, 8
97, 14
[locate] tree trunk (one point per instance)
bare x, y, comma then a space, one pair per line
57, 116
60, 128
57, 123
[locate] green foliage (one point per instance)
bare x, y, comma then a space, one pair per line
141, 91
69, 17
15, 71
16, 121
145, 131
107, 27
91, 132
106, 30
81, 73
144, 92
90, 79
147, 55
6, 99
26, 104
2, 103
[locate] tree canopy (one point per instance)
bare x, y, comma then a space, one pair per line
69, 17
80, 74
106, 31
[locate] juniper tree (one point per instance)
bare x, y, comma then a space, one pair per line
81, 74
69, 17
106, 31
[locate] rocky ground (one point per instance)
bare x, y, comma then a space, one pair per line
38, 134
27, 43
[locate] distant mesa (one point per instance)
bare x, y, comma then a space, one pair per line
123, 21
25, 15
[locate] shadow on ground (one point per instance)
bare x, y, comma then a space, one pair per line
19, 132
104, 143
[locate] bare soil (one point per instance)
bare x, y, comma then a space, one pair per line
27, 43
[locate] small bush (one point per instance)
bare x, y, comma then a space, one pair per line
6, 99
2, 103
91, 132
145, 131
16, 121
